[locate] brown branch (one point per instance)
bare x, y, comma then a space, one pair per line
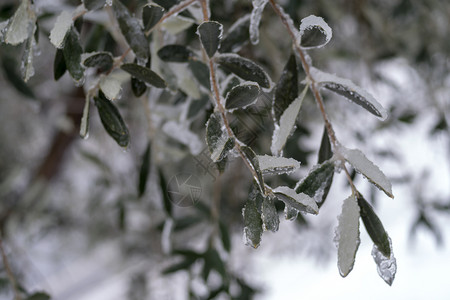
9, 272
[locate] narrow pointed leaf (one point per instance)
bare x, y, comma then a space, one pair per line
112, 120
314, 32
72, 55
144, 171
210, 35
242, 95
386, 265
200, 72
219, 144
269, 214
225, 236
144, 74
255, 19
237, 36
286, 90
300, 202
151, 14
244, 68
18, 29
94, 4
253, 225
84, 126
164, 191
175, 53
102, 60
253, 161
59, 65
347, 235
215, 262
277, 165
318, 181
325, 151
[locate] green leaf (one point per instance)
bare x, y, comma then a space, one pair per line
39, 296
254, 163
237, 36
253, 225
269, 214
325, 151
72, 55
9, 65
242, 95
210, 33
94, 4
112, 120
374, 226
59, 65
244, 68
175, 53
183, 265
318, 181
102, 60
225, 236
144, 74
138, 86
213, 262
286, 90
200, 72
314, 32
151, 14
198, 106
166, 200
230, 82
219, 144
144, 171
299, 201
132, 31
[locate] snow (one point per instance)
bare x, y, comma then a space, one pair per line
111, 87
314, 21
62, 26
255, 19
277, 165
347, 235
386, 266
182, 134
301, 202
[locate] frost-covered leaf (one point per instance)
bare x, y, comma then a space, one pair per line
151, 14
210, 35
386, 265
72, 55
144, 74
175, 53
62, 26
213, 261
111, 87
360, 162
374, 226
21, 24
132, 31
351, 91
290, 213
301, 202
237, 36
9, 65
325, 151
286, 90
255, 19
138, 87
269, 214
84, 126
277, 165
242, 95
244, 68
347, 235
102, 60
112, 120
94, 4
182, 134
144, 171
27, 67
59, 65
219, 144
200, 72
253, 225
288, 119
253, 161
314, 32
318, 181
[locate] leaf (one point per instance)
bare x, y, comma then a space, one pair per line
112, 120
242, 95
374, 226
200, 72
84, 126
286, 90
21, 25
198, 106
27, 59
132, 31
175, 53
300, 202
314, 32
255, 19
94, 4
9, 65
244, 68
219, 144
386, 265
144, 171
63, 25
360, 162
183, 265
214, 262
277, 165
39, 296
349, 90
237, 36
325, 151
269, 214
151, 14
111, 87
165, 195
210, 33
290, 213
138, 87
254, 163
318, 181
347, 235
253, 225
102, 60
72, 55
144, 74
59, 65
225, 236
288, 119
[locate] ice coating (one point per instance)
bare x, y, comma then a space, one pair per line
60, 29
111, 87
314, 21
19, 28
386, 266
277, 165
350, 90
26, 65
360, 162
347, 235
301, 202
84, 126
255, 19
182, 134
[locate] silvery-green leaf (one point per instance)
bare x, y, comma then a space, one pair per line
314, 32
62, 26
242, 95
151, 14
175, 53
144, 171
360, 162
111, 87
219, 144
59, 65
72, 55
132, 31
277, 165
301, 202
200, 72
253, 225
102, 60
84, 126
386, 265
112, 120
254, 163
21, 24
374, 226
269, 214
287, 123
244, 68
94, 4
349, 90
347, 235
255, 19
210, 35
237, 36
286, 90
318, 181
144, 74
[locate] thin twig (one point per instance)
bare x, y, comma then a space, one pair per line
9, 272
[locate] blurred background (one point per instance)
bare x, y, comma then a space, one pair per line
72, 222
